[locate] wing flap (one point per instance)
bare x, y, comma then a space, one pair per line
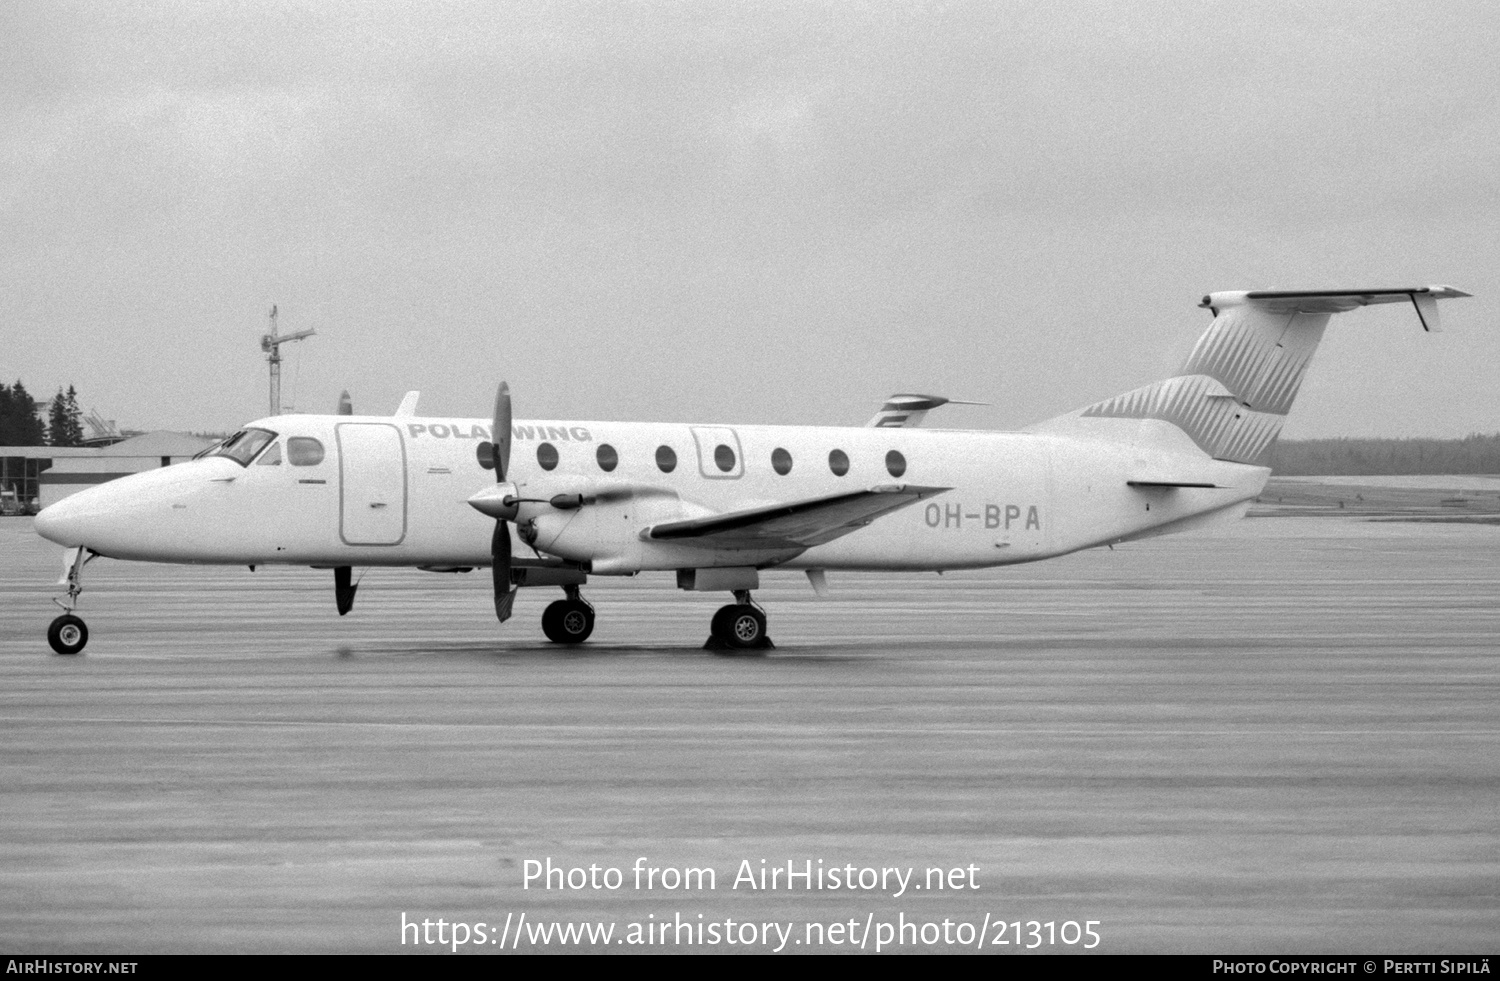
798, 524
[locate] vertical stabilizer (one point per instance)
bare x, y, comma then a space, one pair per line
1233, 394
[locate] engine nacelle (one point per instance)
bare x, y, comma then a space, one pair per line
595, 520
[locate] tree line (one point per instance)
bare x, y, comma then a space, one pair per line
1475, 453
21, 423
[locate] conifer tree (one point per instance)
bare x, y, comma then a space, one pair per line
19, 425
57, 422
74, 418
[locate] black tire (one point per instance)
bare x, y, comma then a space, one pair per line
568, 622
745, 627
719, 626
68, 634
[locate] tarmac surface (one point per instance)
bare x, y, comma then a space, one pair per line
1285, 739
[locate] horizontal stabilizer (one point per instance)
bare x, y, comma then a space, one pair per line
800, 524
908, 411
1423, 298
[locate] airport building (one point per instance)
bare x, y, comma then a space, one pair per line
32, 477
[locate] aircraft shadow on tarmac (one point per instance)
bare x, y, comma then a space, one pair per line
821, 653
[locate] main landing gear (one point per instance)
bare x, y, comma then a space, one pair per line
740, 626
569, 621
68, 634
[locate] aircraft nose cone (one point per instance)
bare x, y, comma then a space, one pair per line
99, 516
58, 523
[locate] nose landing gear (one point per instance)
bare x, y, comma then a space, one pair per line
68, 634
740, 626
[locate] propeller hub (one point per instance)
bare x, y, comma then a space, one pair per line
498, 502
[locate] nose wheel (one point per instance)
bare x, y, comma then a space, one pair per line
740, 626
68, 634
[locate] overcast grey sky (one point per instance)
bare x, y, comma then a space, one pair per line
738, 212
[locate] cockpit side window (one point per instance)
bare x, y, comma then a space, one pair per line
243, 445
271, 457
304, 451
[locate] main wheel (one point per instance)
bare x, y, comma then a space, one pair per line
68, 634
744, 626
719, 626
568, 622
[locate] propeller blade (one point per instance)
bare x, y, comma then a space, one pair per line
505, 592
500, 432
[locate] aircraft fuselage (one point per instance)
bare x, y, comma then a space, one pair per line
394, 491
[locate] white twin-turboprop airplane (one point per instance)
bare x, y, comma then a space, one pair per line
717, 504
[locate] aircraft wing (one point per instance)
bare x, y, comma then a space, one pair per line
799, 524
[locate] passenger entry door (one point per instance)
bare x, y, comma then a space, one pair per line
372, 479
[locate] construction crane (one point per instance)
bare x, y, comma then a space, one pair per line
271, 344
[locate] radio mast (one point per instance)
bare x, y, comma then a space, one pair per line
271, 344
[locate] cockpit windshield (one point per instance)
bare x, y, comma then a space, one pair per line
241, 447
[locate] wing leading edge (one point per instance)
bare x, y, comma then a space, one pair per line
799, 524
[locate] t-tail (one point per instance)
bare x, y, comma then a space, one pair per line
1233, 394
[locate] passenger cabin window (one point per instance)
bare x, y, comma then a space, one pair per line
607, 457
724, 458
546, 456
838, 462
243, 446
895, 463
781, 461
666, 459
304, 451
271, 457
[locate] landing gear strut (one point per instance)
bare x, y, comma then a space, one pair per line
740, 626
68, 634
569, 621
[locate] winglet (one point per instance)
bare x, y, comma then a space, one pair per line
1427, 311
408, 406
